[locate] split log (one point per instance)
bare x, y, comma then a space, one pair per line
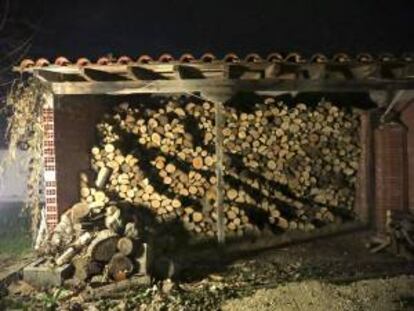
102, 177
113, 219
66, 256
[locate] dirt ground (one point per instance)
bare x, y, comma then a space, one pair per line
368, 295
335, 273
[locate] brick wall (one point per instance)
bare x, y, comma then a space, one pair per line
390, 142
75, 121
407, 117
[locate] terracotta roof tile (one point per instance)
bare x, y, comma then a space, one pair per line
208, 57
144, 59
62, 61
103, 61
42, 62
187, 58
83, 61
166, 58
230, 57
253, 58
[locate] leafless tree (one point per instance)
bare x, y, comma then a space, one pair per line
19, 23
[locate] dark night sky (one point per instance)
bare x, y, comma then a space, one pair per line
94, 28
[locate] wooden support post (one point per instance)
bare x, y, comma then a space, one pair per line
365, 189
219, 171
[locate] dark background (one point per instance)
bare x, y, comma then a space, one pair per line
91, 28
95, 28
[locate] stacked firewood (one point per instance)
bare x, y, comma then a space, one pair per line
285, 166
99, 242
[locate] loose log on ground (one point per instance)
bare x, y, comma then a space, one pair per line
120, 267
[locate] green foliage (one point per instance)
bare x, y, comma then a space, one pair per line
51, 300
16, 244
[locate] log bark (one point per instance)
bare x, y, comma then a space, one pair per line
104, 246
120, 267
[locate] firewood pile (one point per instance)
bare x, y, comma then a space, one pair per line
285, 167
296, 165
102, 247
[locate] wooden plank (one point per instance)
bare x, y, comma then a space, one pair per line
55, 76
365, 190
264, 241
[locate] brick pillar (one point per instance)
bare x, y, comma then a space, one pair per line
390, 171
49, 162
407, 116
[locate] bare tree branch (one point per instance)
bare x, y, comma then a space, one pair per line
5, 15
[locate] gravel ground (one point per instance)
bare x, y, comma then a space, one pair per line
368, 295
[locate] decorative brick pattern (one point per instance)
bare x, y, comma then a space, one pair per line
49, 166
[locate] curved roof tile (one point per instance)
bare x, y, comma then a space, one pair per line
230, 57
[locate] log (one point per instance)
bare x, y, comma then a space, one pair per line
198, 163
197, 217
109, 148
120, 267
170, 168
113, 290
102, 177
104, 246
125, 246
77, 212
66, 256
232, 194
85, 267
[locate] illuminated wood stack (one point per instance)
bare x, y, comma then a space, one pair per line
284, 167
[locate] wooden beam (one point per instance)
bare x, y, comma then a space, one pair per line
224, 85
56, 76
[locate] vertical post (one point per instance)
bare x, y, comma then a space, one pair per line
365, 190
49, 162
219, 120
